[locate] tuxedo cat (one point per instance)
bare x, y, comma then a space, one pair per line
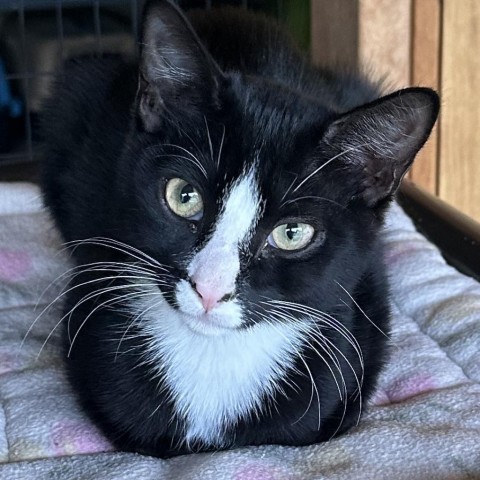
223, 200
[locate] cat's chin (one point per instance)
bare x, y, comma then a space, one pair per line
205, 325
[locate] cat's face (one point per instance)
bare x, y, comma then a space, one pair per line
234, 226
229, 218
248, 193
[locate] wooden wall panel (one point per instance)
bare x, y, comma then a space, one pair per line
460, 121
334, 32
421, 42
384, 40
425, 71
361, 34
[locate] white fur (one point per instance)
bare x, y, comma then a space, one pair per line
216, 266
216, 380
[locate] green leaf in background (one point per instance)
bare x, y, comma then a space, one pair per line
295, 14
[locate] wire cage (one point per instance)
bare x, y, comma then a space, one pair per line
38, 36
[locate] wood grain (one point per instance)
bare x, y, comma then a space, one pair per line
384, 40
425, 71
334, 33
459, 126
370, 35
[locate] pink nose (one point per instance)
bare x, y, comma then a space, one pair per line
210, 296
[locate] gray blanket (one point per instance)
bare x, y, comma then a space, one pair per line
424, 422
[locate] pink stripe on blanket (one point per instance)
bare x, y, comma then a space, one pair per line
69, 438
404, 388
14, 265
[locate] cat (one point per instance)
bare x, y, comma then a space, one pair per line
224, 200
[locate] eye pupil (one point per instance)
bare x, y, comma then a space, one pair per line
293, 231
187, 193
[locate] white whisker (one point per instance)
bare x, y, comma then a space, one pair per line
287, 191
362, 312
88, 297
344, 152
193, 158
312, 197
209, 137
283, 310
221, 148
119, 246
77, 270
314, 389
325, 318
138, 316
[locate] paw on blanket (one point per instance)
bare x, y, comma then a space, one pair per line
423, 422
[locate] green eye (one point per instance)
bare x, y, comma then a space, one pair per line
291, 236
183, 199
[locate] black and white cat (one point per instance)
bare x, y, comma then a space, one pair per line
224, 199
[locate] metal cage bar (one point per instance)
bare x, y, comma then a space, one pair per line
27, 76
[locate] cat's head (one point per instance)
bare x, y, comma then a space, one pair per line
250, 192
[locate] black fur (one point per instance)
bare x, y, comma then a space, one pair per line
106, 127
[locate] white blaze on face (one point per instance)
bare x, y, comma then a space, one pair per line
215, 267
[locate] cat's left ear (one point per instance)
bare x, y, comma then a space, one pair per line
378, 141
178, 78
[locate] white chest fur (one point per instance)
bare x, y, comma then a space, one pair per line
217, 380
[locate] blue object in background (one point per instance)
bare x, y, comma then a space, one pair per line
7, 100
11, 109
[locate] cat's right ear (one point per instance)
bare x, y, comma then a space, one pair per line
177, 76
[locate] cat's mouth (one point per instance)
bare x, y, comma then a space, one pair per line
220, 320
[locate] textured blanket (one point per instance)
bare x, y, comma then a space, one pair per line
424, 422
